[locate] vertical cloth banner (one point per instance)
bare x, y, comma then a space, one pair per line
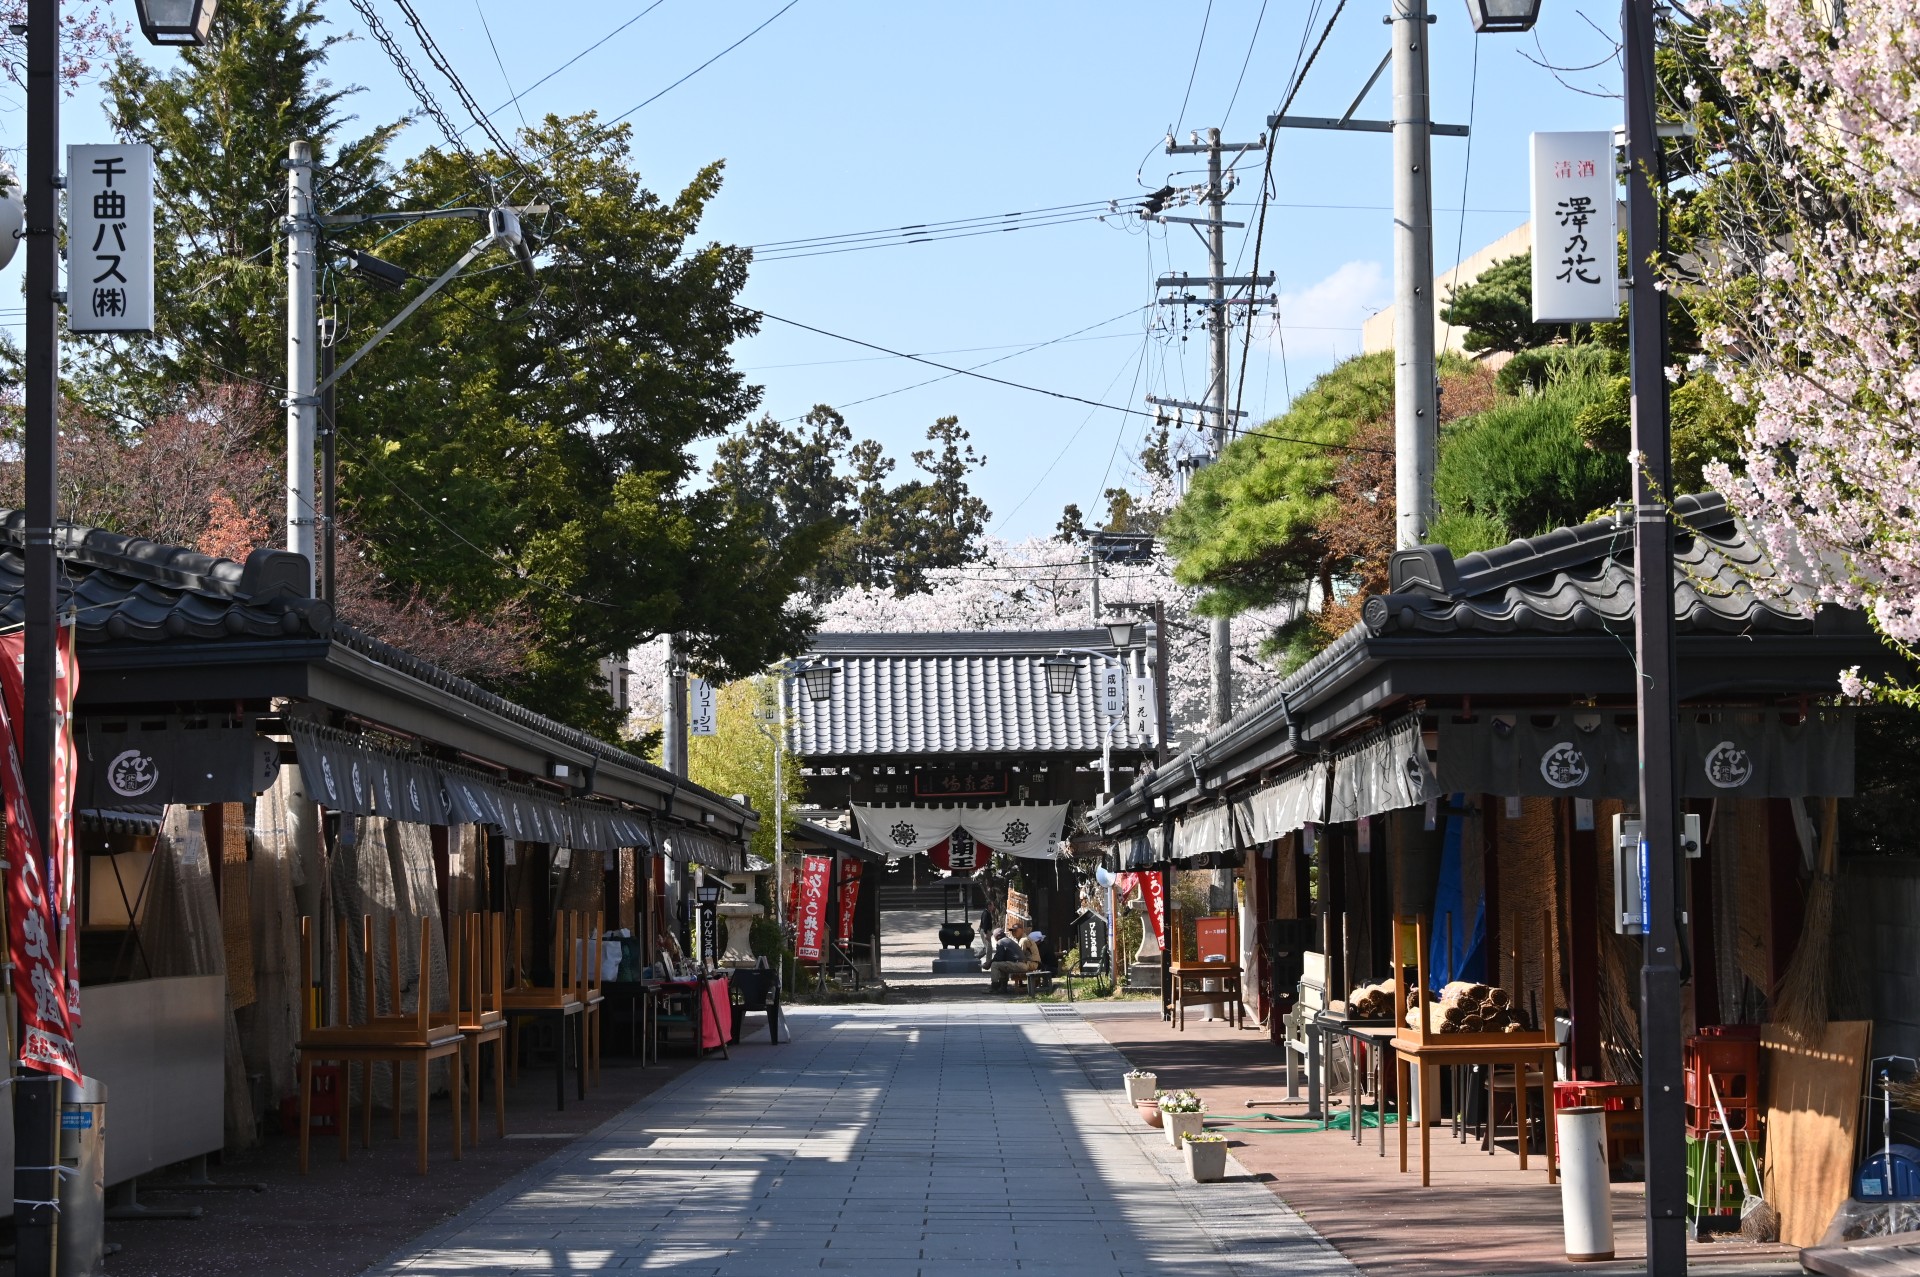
37, 933
813, 907
850, 874
1153, 890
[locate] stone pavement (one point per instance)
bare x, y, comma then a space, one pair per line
961, 1138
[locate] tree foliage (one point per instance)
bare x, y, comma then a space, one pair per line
520, 445
813, 480
1523, 467
1496, 309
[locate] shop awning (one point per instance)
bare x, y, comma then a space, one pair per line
1203, 833
1586, 754
1385, 770
697, 847
1146, 849
1279, 809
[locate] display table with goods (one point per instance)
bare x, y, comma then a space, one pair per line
703, 1002
1467, 1025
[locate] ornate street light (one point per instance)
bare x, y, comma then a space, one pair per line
1063, 675
1503, 15
1120, 632
175, 21
818, 680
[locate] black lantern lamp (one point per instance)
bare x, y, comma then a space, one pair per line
1063, 674
708, 893
818, 680
175, 21
1490, 16
1120, 632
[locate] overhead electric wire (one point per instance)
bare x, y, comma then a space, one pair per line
480, 9
1253, 40
903, 239
515, 99
1186, 97
812, 241
1037, 390
704, 65
421, 93
1466, 172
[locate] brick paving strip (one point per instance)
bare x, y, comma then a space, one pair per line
938, 1139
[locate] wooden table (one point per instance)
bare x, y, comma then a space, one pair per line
1435, 1053
1227, 995
1380, 1038
440, 1042
568, 1017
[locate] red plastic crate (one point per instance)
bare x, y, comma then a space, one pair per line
326, 1103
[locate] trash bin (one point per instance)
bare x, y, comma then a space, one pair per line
83, 1177
1586, 1201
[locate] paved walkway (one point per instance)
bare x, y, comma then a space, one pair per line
961, 1138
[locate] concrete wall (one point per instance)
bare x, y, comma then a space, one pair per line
1377, 332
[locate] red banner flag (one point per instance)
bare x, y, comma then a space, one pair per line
814, 871
44, 953
1153, 892
850, 874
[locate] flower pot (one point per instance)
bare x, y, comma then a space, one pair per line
1140, 1088
1207, 1162
1180, 1125
1149, 1111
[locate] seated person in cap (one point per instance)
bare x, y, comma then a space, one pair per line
1007, 959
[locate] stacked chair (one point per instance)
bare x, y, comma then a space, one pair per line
476, 973
395, 1038
557, 1002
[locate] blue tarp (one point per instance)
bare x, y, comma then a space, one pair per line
1462, 921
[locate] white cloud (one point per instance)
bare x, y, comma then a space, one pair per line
1322, 320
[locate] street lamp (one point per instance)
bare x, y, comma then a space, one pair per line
818, 680
1120, 632
1492, 16
175, 22
1063, 675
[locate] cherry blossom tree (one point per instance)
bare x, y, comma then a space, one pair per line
1804, 270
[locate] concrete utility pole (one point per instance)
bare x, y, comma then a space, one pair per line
303, 340
673, 745
1220, 630
1657, 703
1415, 398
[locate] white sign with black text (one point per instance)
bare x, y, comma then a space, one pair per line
1576, 275
703, 716
1146, 722
110, 239
1112, 678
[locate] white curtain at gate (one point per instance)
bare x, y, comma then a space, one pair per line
1021, 829
1204, 832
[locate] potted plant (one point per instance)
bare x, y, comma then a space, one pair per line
1206, 1157
1140, 1086
1182, 1113
1149, 1109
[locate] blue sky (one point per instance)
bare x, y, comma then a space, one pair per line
851, 115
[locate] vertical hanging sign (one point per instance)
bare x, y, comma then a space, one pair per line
813, 908
39, 941
703, 717
1153, 893
850, 873
110, 239
1576, 254
1112, 678
1146, 719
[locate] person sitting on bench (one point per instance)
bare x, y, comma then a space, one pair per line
1008, 960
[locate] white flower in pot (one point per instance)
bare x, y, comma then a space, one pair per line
1182, 1113
1141, 1085
1206, 1158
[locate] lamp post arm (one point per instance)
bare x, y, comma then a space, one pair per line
446, 277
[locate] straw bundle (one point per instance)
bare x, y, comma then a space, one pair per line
1801, 1003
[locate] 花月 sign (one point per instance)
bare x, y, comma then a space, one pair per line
1576, 277
702, 717
110, 239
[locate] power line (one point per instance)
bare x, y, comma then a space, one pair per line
704, 65
1260, 18
1181, 118
515, 99
1082, 208
418, 87
487, 27
1040, 390
909, 235
1466, 172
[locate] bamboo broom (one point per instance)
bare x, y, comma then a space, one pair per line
1801, 1001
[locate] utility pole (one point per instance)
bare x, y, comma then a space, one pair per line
302, 352
1657, 704
1219, 325
36, 1094
673, 746
329, 332
1415, 397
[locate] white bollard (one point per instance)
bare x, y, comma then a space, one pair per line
1586, 1201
